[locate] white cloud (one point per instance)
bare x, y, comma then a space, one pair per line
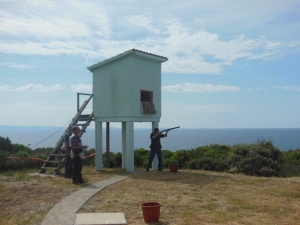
95, 30
143, 22
286, 88
258, 89
42, 28
39, 88
16, 65
82, 88
47, 48
5, 88
192, 88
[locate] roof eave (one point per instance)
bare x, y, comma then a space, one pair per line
127, 53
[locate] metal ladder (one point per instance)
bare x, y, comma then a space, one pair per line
56, 160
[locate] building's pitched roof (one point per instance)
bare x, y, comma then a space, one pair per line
149, 53
127, 53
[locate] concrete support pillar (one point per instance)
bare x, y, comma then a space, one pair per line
129, 146
123, 144
155, 160
98, 144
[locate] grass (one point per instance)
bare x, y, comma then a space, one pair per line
187, 197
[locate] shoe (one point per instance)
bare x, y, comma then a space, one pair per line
160, 169
82, 182
147, 169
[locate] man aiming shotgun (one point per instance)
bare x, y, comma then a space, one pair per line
155, 147
170, 129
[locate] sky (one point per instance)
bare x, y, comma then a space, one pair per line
231, 64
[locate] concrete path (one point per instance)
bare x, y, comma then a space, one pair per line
64, 212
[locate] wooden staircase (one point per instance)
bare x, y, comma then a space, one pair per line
56, 160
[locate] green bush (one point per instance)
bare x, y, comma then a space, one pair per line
41, 153
182, 157
32, 164
19, 147
115, 160
141, 157
167, 154
261, 159
211, 157
3, 159
5, 144
22, 154
291, 163
292, 157
290, 170
208, 163
118, 159
14, 164
166, 158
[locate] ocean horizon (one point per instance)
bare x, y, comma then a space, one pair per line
182, 138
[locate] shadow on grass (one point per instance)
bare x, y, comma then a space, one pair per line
182, 176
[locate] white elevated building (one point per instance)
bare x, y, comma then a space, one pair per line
126, 89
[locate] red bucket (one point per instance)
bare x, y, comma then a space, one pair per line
174, 167
151, 211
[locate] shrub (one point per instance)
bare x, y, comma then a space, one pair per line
118, 159
290, 170
32, 164
208, 163
3, 159
166, 154
22, 154
261, 159
14, 164
195, 164
212, 157
182, 157
292, 157
19, 147
291, 163
141, 157
5, 144
115, 160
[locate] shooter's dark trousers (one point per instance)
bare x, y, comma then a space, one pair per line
151, 157
69, 166
77, 169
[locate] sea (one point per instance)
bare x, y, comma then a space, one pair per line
284, 139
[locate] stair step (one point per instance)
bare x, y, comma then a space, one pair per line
83, 117
49, 168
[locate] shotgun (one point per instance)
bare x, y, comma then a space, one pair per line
170, 129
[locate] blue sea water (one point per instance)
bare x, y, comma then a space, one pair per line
284, 139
